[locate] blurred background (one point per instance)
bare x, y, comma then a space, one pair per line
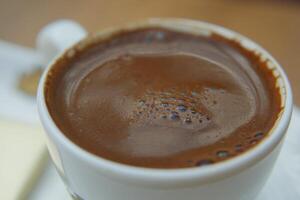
275, 24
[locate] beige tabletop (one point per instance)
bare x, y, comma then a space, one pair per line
274, 24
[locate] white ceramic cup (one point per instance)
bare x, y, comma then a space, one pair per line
90, 177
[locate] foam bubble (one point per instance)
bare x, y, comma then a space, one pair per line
181, 108
253, 142
188, 120
259, 135
174, 116
222, 154
239, 148
204, 162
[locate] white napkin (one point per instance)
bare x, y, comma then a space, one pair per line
22, 155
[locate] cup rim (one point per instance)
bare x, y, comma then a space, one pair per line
181, 176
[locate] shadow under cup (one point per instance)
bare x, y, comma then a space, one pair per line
91, 177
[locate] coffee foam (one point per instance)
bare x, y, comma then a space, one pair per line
170, 101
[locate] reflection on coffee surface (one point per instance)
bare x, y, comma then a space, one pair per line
163, 99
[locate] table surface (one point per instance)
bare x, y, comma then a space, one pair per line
274, 24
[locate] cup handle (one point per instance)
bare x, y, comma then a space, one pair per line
56, 37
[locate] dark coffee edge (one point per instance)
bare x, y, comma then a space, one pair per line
94, 40
260, 66
258, 63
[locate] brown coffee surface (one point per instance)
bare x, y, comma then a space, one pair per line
163, 99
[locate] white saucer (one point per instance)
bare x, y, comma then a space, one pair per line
284, 183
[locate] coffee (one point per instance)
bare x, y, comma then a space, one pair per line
161, 98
